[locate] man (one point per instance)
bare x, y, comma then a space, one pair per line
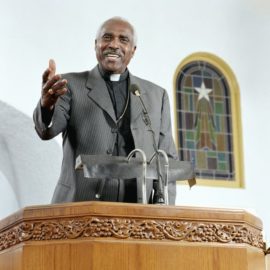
97, 115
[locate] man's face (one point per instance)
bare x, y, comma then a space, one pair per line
115, 46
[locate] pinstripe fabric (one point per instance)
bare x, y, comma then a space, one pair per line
86, 118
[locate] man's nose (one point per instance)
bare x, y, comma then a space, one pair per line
114, 43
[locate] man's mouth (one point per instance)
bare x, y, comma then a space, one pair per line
114, 56
111, 55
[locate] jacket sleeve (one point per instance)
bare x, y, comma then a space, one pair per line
49, 125
166, 141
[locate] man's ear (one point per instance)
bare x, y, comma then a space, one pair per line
134, 49
95, 43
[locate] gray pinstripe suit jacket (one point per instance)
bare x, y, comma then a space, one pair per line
86, 118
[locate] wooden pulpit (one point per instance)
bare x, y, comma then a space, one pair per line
104, 235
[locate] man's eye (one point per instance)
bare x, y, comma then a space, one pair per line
107, 38
124, 39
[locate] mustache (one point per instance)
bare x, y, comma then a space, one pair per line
112, 51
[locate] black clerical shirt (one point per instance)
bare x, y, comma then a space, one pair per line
117, 86
118, 90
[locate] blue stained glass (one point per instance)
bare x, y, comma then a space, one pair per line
221, 156
197, 81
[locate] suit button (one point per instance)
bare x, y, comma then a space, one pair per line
109, 151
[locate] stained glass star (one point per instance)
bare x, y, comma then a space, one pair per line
203, 92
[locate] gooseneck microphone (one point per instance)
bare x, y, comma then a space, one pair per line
159, 196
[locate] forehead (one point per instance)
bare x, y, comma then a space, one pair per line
116, 28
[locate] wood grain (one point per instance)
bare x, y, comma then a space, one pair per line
102, 235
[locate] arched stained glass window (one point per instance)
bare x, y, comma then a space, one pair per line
208, 120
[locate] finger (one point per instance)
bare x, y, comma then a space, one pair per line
54, 95
60, 92
49, 84
45, 76
57, 87
51, 92
59, 84
52, 68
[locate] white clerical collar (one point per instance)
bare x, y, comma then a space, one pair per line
115, 77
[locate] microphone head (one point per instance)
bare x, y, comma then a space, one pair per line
135, 90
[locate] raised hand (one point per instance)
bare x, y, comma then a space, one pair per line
52, 86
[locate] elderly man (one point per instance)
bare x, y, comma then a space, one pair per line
96, 114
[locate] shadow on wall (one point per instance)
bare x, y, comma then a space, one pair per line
29, 167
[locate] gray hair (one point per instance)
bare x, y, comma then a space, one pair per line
117, 18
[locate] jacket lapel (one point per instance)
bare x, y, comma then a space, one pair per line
98, 92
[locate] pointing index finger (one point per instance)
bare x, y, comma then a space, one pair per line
52, 68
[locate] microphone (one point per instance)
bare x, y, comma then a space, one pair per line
135, 90
159, 196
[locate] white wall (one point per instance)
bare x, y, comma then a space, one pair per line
236, 30
28, 173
